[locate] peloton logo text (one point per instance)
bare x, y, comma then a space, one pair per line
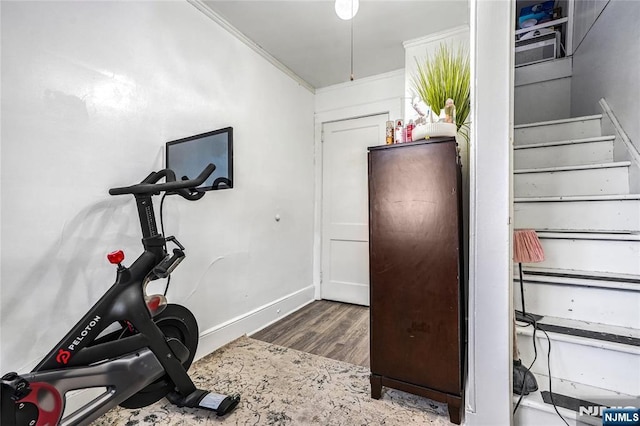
84, 333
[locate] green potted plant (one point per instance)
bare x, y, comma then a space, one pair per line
445, 75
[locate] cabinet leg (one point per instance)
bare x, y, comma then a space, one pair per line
376, 386
455, 410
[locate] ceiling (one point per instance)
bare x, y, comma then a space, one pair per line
308, 37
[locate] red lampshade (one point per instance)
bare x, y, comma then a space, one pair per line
527, 247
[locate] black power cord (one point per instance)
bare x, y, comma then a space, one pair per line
528, 369
166, 287
534, 323
549, 369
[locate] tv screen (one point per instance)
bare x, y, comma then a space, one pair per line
187, 157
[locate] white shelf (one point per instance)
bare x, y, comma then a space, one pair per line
543, 25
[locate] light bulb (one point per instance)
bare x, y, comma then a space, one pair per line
347, 9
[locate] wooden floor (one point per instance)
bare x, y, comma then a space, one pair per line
330, 329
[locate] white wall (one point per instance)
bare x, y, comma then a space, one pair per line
90, 92
543, 91
585, 14
361, 96
606, 64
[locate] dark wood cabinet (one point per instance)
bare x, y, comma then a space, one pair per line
417, 294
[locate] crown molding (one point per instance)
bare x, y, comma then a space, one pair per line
207, 11
441, 35
364, 80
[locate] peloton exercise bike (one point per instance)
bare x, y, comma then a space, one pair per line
145, 359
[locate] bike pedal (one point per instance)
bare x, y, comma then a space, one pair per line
220, 404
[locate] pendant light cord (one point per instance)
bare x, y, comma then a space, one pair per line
352, 17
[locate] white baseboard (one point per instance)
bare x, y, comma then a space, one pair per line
355, 293
253, 321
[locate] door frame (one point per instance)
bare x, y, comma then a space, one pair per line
392, 107
489, 388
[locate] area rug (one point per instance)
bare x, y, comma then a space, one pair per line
281, 386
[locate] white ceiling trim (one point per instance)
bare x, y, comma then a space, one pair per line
442, 35
359, 81
202, 7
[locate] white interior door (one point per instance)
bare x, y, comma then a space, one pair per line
345, 207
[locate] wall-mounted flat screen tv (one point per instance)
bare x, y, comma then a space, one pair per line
187, 157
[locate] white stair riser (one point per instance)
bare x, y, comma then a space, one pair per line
591, 304
589, 365
530, 416
610, 215
592, 255
558, 132
539, 410
564, 155
604, 181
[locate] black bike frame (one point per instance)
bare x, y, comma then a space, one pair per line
122, 364
124, 301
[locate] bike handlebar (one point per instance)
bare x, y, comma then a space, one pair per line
184, 188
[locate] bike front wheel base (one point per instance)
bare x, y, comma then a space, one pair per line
175, 322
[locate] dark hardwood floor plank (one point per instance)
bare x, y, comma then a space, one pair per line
330, 329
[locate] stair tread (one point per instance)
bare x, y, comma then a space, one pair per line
574, 273
589, 231
561, 121
578, 167
633, 333
569, 198
572, 235
579, 282
576, 390
620, 339
608, 280
565, 142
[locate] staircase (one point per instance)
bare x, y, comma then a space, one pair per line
569, 188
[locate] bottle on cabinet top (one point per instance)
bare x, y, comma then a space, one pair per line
399, 136
449, 111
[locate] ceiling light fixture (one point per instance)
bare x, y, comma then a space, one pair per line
347, 9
